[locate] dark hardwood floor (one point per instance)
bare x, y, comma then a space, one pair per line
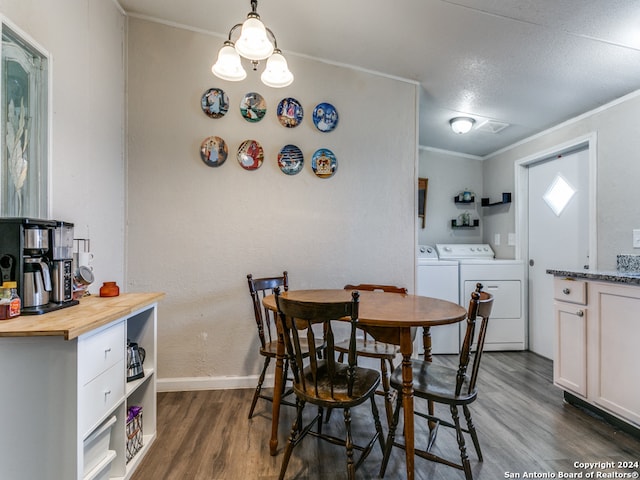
525, 429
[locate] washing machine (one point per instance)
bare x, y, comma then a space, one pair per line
438, 279
504, 279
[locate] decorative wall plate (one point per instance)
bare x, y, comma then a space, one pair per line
253, 107
213, 151
215, 103
324, 163
325, 117
290, 112
290, 159
250, 155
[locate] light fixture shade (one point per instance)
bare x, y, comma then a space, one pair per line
276, 74
461, 125
253, 42
228, 66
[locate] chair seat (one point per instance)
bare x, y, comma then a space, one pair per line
435, 382
365, 384
370, 348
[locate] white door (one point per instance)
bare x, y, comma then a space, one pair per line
558, 236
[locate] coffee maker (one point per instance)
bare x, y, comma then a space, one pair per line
37, 255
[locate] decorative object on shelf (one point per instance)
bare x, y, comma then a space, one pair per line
250, 155
456, 223
506, 198
215, 103
214, 151
109, 289
134, 431
254, 45
423, 185
290, 112
290, 159
464, 221
461, 125
324, 163
325, 117
253, 107
466, 196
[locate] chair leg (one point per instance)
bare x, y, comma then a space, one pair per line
463, 449
388, 400
376, 421
391, 436
295, 431
351, 467
256, 394
472, 430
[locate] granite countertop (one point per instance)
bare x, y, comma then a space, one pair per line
628, 271
629, 278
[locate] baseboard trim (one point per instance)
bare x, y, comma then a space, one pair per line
184, 384
607, 417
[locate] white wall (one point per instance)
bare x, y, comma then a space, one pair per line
448, 175
195, 231
618, 171
85, 40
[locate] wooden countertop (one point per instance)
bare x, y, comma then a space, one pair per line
92, 312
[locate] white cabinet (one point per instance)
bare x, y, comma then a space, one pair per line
613, 340
59, 394
570, 364
598, 328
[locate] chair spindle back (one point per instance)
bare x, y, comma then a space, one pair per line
298, 319
479, 306
265, 319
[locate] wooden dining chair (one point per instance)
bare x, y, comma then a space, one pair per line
447, 386
368, 347
326, 383
267, 333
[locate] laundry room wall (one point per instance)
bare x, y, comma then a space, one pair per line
448, 175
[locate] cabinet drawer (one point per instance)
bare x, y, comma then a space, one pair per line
100, 396
567, 290
99, 351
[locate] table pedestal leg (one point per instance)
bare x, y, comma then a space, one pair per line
406, 348
277, 392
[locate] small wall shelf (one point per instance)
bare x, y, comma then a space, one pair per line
456, 199
474, 223
506, 198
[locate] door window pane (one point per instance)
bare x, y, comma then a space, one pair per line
24, 129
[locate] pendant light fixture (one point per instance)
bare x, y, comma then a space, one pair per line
254, 45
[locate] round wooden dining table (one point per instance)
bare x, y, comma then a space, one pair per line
389, 318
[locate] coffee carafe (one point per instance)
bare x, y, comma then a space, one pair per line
36, 282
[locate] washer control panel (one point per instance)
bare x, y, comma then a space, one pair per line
464, 250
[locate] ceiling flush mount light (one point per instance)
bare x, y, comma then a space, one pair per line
461, 125
253, 44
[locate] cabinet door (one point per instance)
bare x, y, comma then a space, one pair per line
570, 364
614, 374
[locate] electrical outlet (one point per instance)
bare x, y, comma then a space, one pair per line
511, 239
636, 238
496, 239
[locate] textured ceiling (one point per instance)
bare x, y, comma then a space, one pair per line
529, 63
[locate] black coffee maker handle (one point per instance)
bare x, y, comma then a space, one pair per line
143, 354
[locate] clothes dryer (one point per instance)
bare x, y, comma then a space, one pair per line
438, 279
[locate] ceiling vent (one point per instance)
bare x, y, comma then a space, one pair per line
491, 126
